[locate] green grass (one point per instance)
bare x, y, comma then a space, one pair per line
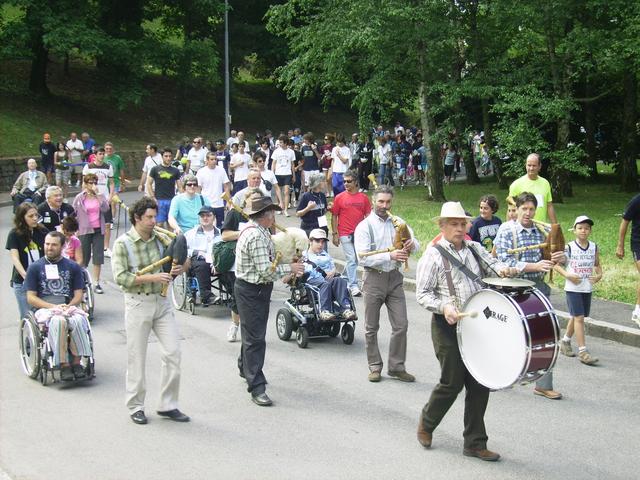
603, 203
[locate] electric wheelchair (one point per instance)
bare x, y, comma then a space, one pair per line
301, 314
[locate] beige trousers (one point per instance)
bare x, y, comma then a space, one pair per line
142, 314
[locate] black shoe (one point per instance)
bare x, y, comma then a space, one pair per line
78, 371
206, 301
139, 417
175, 415
261, 399
66, 374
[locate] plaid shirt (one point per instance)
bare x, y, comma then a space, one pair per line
255, 253
523, 237
432, 290
145, 253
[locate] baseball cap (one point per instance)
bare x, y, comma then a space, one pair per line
317, 233
205, 209
582, 219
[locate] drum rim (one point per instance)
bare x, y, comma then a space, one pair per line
528, 346
556, 327
528, 283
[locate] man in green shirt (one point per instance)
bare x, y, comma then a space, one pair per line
145, 309
117, 165
532, 182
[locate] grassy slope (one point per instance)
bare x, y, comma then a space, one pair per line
79, 104
603, 203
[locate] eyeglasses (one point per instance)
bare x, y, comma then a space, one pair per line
196, 142
191, 184
91, 182
348, 181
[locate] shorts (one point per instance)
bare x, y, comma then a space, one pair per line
307, 176
92, 243
579, 303
48, 167
62, 176
448, 170
108, 216
163, 210
635, 251
284, 180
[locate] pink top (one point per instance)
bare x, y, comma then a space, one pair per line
70, 247
92, 206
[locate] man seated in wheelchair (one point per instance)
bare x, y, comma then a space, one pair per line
54, 287
200, 240
322, 274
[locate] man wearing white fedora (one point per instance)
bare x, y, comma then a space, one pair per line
447, 275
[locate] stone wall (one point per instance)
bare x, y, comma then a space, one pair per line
11, 167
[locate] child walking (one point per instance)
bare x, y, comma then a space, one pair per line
583, 270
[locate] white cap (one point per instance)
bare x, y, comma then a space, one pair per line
582, 219
317, 233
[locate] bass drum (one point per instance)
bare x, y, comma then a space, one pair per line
513, 338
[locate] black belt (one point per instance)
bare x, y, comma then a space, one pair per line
250, 283
371, 269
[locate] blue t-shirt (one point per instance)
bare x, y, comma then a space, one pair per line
310, 158
484, 231
309, 220
69, 278
185, 210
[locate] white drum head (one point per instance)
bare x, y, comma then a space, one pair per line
493, 343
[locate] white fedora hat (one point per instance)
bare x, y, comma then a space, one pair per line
452, 210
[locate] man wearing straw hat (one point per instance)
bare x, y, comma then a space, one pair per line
255, 253
442, 266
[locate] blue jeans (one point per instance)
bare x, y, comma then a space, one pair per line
351, 267
21, 298
386, 171
330, 290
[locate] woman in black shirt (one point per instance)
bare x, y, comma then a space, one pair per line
312, 207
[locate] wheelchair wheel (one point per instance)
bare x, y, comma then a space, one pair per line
30, 340
179, 291
284, 324
334, 329
88, 297
347, 334
302, 337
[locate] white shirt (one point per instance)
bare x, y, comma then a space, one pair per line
103, 174
212, 181
196, 158
269, 176
76, 155
231, 141
580, 261
32, 185
238, 198
151, 162
241, 171
201, 241
383, 235
338, 165
384, 153
283, 160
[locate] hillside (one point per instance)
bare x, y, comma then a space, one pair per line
78, 103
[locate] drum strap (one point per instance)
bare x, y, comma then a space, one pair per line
458, 264
447, 274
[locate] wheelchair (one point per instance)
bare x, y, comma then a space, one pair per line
185, 292
88, 298
36, 355
301, 314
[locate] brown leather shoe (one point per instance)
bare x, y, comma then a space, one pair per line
550, 394
482, 454
424, 437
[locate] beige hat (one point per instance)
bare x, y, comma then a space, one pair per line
260, 204
452, 210
317, 233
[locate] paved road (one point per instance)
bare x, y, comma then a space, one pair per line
327, 422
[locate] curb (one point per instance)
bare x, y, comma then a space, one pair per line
594, 328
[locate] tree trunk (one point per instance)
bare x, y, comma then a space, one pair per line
65, 68
629, 147
428, 126
38, 74
590, 131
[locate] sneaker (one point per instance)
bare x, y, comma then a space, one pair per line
107, 252
326, 315
374, 376
356, 292
66, 374
565, 349
286, 213
635, 317
279, 212
586, 358
98, 289
349, 314
78, 371
402, 376
232, 333
206, 301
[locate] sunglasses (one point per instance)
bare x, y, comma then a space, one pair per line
348, 181
196, 142
91, 182
191, 184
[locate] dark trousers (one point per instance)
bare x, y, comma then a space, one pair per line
330, 290
453, 376
202, 271
253, 307
364, 169
219, 213
33, 197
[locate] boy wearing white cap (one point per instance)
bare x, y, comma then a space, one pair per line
582, 271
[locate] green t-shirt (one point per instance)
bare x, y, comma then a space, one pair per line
540, 187
117, 164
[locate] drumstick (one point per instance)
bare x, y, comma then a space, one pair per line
471, 314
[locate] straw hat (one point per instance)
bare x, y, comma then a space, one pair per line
452, 210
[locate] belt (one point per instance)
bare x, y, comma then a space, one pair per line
371, 269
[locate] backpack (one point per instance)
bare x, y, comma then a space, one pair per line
224, 256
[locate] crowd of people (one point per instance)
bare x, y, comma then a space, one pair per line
224, 196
